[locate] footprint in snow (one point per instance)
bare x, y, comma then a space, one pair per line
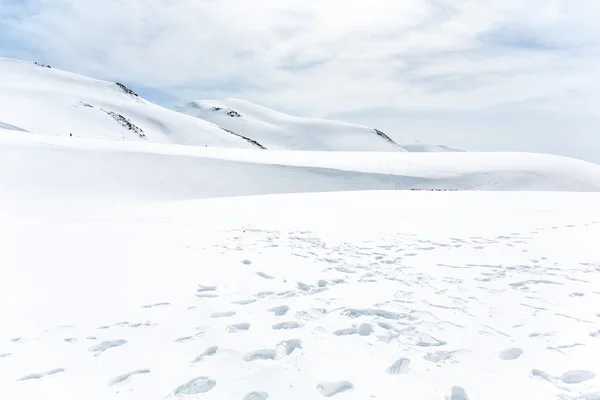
279, 310
290, 345
355, 313
102, 347
41, 375
458, 393
256, 396
286, 347
211, 351
155, 305
304, 287
266, 354
286, 325
207, 295
265, 276
573, 377
244, 326
127, 377
202, 288
443, 356
2, 355
244, 302
201, 384
399, 367
184, 339
510, 354
364, 329
430, 341
223, 314
330, 389
246, 262
541, 374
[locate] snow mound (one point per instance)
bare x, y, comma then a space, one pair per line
40, 99
279, 131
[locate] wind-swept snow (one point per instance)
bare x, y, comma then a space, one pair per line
279, 131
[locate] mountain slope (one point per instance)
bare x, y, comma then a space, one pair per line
45, 100
279, 131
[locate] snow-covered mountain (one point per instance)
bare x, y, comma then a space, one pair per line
40, 99
37, 98
279, 131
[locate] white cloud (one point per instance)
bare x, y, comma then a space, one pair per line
325, 56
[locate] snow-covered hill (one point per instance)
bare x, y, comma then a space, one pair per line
45, 100
279, 131
82, 172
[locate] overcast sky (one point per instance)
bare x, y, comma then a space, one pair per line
481, 74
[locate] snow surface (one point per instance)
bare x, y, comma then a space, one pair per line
416, 295
54, 102
279, 131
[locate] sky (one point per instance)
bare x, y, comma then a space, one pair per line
506, 75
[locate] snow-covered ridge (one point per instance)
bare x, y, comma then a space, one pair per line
280, 131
